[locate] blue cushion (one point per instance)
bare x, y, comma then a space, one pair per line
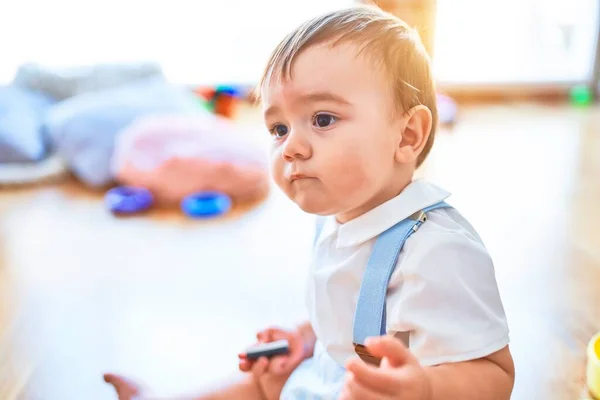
21, 117
83, 128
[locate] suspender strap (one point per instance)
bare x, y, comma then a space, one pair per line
370, 315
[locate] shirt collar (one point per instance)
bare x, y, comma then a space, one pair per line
416, 196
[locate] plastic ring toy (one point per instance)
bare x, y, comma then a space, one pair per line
206, 204
128, 200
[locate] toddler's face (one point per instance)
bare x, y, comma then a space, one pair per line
334, 137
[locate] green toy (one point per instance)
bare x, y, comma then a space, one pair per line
581, 95
206, 104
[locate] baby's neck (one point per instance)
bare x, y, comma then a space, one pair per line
388, 192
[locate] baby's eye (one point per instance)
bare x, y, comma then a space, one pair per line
324, 120
279, 131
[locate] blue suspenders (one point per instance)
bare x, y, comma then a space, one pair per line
370, 314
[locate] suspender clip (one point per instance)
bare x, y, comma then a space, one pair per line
420, 217
364, 354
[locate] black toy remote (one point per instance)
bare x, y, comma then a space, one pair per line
268, 350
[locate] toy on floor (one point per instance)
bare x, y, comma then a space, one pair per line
206, 204
223, 100
581, 95
128, 200
177, 156
447, 109
593, 366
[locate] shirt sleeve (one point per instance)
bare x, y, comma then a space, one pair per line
447, 298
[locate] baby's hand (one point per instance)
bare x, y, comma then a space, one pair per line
271, 374
125, 388
400, 376
281, 364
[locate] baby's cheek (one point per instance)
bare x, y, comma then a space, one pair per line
276, 167
351, 173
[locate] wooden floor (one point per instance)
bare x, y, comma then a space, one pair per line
170, 301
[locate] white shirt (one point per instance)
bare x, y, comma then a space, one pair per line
443, 290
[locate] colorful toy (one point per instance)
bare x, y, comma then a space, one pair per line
223, 100
128, 200
206, 204
205, 97
593, 366
227, 101
581, 95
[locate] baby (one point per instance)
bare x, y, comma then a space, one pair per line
402, 295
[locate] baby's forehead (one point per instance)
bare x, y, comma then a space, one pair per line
330, 56
339, 68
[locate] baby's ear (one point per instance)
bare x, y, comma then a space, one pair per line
416, 132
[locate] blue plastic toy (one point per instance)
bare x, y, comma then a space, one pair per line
128, 200
206, 204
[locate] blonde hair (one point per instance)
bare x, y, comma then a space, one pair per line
393, 45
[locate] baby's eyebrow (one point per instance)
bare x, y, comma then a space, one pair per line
271, 111
323, 96
313, 97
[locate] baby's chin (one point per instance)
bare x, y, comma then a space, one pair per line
312, 206
310, 198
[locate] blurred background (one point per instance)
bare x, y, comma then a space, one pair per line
156, 97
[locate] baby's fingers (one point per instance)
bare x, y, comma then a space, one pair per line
378, 379
244, 364
280, 365
270, 334
260, 366
355, 390
392, 349
263, 337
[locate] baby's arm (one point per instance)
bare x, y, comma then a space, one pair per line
401, 376
264, 381
488, 378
